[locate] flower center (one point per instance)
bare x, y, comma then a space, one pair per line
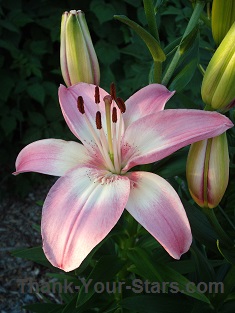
109, 140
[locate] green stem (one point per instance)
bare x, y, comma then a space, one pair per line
192, 23
153, 29
157, 72
208, 108
151, 18
214, 221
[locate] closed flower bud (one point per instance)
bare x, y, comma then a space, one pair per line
208, 170
222, 18
78, 59
218, 90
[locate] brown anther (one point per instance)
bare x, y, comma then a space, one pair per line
114, 115
108, 99
97, 95
80, 104
121, 105
98, 120
113, 91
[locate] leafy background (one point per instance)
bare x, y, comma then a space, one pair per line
29, 110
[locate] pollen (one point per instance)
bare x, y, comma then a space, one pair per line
97, 95
121, 105
114, 115
98, 120
80, 104
113, 91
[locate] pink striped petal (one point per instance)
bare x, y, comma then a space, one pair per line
147, 100
75, 120
52, 157
157, 207
156, 136
80, 210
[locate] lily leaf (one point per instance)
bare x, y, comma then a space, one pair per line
162, 274
152, 44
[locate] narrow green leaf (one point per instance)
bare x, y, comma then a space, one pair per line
168, 279
188, 41
201, 227
105, 269
203, 268
152, 44
158, 303
35, 254
228, 254
228, 286
184, 76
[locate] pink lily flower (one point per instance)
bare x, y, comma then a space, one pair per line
95, 186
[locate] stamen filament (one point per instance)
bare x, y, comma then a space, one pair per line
108, 102
116, 156
120, 125
99, 144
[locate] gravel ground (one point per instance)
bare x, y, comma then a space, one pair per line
16, 220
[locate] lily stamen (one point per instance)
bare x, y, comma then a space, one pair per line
113, 91
116, 155
98, 141
108, 102
97, 95
121, 105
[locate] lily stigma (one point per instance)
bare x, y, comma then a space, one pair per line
95, 184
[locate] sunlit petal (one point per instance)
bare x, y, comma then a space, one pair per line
157, 207
147, 100
158, 135
75, 120
52, 157
79, 211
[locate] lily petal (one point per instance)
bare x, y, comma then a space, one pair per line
51, 156
75, 120
147, 100
156, 206
156, 136
80, 210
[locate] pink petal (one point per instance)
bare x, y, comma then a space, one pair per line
51, 156
156, 136
157, 207
147, 100
75, 120
80, 210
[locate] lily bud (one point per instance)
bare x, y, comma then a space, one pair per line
222, 18
78, 59
218, 90
207, 170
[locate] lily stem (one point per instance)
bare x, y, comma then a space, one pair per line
192, 23
151, 18
153, 29
220, 231
157, 72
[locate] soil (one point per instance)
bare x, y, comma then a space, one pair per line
17, 218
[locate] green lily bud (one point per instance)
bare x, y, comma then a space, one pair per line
207, 170
218, 90
222, 18
78, 59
